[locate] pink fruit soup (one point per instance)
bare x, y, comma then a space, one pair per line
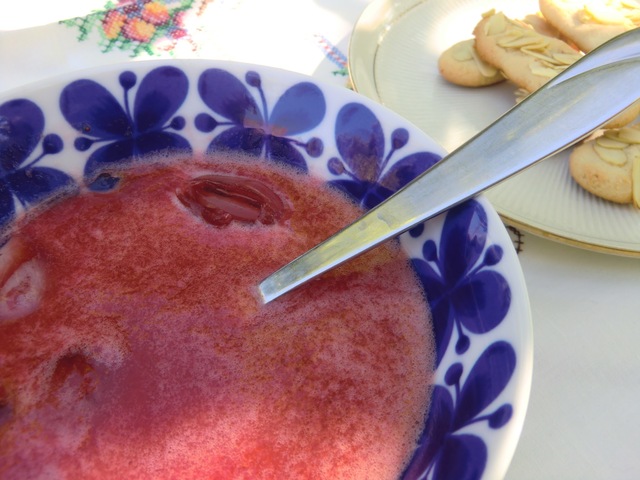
134, 344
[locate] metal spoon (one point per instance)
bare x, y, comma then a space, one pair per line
574, 104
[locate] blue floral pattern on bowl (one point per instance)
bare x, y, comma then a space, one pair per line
255, 130
464, 258
453, 271
95, 112
22, 123
363, 159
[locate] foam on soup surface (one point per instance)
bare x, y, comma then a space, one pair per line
133, 342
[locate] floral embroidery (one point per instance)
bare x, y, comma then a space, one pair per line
139, 25
21, 127
334, 55
252, 128
128, 135
363, 167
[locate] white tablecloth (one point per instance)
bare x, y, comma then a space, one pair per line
583, 420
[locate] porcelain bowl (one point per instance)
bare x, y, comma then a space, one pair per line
465, 258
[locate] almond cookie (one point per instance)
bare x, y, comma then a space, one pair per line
526, 57
460, 64
591, 23
609, 165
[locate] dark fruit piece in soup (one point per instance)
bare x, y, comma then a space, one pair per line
221, 199
73, 376
5, 405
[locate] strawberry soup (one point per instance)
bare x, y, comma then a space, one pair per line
133, 342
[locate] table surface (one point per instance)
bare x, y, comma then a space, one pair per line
582, 421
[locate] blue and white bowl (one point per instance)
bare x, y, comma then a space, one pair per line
60, 132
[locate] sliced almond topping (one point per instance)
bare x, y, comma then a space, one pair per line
519, 40
550, 61
608, 142
521, 94
463, 51
542, 71
613, 157
484, 68
630, 135
496, 24
489, 13
566, 58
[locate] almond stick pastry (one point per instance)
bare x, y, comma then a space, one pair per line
591, 23
528, 58
461, 64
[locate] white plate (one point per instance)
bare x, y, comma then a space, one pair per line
393, 59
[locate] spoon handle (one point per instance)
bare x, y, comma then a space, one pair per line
545, 123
